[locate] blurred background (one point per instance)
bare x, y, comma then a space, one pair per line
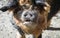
8, 31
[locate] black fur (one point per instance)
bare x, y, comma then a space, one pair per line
55, 6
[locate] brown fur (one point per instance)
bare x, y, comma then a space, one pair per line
42, 20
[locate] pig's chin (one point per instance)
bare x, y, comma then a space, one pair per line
28, 23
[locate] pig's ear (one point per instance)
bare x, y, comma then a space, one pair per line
39, 2
11, 5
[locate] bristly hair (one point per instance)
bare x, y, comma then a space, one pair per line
55, 6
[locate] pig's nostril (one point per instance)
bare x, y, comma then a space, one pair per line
31, 15
25, 15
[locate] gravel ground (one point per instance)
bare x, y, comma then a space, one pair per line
8, 31
55, 22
